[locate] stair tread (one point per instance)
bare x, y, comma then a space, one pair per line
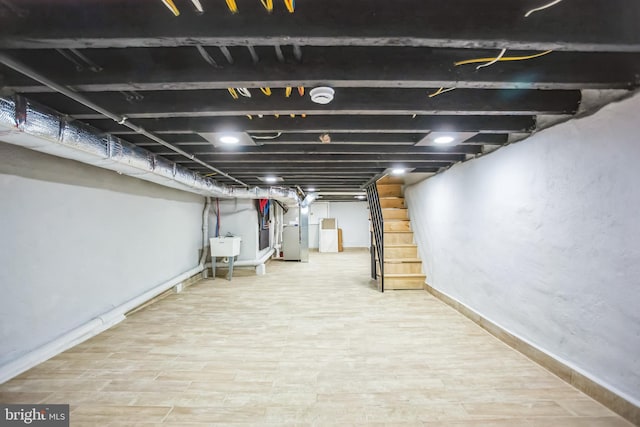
401, 245
402, 260
404, 287
399, 275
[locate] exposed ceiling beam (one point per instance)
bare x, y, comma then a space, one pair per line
334, 181
280, 169
347, 102
315, 179
612, 25
182, 69
354, 165
303, 138
488, 138
329, 149
319, 124
313, 171
330, 179
329, 158
397, 139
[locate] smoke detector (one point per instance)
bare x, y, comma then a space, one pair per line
322, 95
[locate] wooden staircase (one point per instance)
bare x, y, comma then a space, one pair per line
402, 267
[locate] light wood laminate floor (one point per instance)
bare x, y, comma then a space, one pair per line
307, 344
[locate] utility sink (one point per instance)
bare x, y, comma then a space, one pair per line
225, 246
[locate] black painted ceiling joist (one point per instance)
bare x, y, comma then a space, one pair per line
348, 101
305, 140
181, 69
329, 158
320, 124
292, 138
579, 25
330, 165
170, 75
351, 168
323, 149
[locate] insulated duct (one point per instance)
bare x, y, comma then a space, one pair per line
39, 128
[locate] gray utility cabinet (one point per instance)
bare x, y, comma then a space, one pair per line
291, 243
295, 235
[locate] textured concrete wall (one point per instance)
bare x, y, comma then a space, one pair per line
542, 238
78, 241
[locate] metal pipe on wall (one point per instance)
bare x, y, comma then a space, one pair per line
205, 235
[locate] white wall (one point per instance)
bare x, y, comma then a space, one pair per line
353, 218
317, 211
240, 218
78, 241
542, 238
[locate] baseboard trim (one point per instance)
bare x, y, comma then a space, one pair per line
591, 388
185, 284
92, 328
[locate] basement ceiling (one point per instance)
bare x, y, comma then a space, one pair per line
394, 65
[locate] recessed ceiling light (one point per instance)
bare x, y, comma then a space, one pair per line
398, 171
361, 197
270, 179
311, 189
445, 137
444, 140
229, 139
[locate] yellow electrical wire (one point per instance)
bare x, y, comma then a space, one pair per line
287, 91
301, 90
233, 7
504, 58
268, 4
440, 91
233, 93
291, 5
172, 7
266, 90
